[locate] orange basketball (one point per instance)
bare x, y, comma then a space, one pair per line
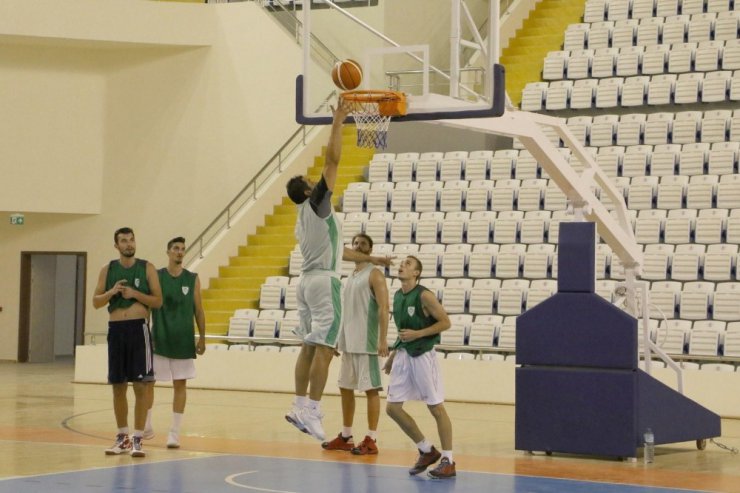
347, 74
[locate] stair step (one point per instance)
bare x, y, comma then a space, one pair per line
216, 329
279, 230
226, 305
280, 220
252, 271
246, 260
252, 250
231, 294
236, 282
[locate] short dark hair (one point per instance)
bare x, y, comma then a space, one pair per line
420, 267
122, 231
363, 235
178, 239
296, 188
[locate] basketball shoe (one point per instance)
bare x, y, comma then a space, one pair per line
294, 417
137, 450
425, 460
445, 469
121, 445
366, 447
339, 443
173, 440
311, 419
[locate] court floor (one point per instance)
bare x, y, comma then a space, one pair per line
53, 432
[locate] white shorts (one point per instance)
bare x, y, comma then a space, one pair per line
319, 309
168, 369
360, 372
416, 379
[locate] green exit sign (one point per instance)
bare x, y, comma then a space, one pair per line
17, 219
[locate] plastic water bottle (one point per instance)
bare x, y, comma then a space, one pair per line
649, 446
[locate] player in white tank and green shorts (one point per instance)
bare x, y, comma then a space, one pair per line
319, 235
362, 339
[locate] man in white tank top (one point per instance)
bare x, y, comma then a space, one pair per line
362, 339
319, 235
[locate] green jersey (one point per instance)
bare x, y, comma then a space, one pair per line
135, 277
408, 313
173, 325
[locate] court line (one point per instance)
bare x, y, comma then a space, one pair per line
230, 480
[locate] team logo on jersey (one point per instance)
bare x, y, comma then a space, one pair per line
136, 282
411, 310
185, 290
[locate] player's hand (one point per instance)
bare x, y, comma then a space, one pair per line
200, 347
383, 348
118, 287
389, 364
342, 110
407, 335
128, 292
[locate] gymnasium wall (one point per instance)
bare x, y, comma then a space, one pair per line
145, 114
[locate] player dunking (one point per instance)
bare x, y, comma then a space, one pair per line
319, 235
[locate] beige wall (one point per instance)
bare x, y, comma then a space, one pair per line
144, 125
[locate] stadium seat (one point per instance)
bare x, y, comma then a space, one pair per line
664, 296
402, 171
481, 260
720, 263
512, 295
480, 226
701, 191
506, 226
273, 291
727, 301
710, 225
714, 127
428, 227
403, 227
695, 300
483, 330
403, 196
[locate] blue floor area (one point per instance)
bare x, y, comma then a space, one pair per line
233, 473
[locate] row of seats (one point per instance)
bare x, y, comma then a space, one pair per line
463, 230
684, 127
717, 158
614, 10
658, 90
507, 294
602, 63
459, 196
486, 331
651, 31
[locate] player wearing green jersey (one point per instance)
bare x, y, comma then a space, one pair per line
414, 369
173, 330
130, 288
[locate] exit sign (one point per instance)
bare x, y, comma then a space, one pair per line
17, 219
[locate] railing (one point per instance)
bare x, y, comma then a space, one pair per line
247, 195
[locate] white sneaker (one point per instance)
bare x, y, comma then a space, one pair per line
311, 419
148, 434
173, 440
294, 417
137, 450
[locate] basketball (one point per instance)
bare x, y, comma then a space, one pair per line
347, 74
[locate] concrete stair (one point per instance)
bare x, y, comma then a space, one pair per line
267, 252
541, 33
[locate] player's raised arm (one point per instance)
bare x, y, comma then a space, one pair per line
334, 147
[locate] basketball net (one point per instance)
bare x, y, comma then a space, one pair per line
372, 111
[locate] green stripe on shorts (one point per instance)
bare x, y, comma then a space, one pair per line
374, 366
336, 301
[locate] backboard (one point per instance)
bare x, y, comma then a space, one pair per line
442, 54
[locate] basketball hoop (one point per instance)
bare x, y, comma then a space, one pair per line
372, 111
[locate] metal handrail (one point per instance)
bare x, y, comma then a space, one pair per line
222, 221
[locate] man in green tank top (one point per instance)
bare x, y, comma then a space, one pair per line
414, 369
130, 288
173, 333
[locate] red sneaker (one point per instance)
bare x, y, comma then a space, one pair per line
122, 445
445, 469
425, 460
366, 447
339, 443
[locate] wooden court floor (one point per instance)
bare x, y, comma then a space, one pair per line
50, 425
